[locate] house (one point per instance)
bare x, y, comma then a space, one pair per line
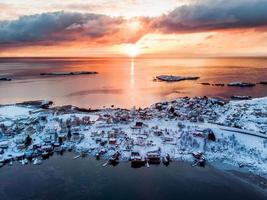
138, 125
4, 144
112, 141
76, 137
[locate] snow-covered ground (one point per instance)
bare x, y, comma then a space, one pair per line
13, 111
177, 128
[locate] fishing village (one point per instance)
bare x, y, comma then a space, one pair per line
198, 130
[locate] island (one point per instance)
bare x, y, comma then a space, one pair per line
263, 83
205, 83
68, 73
5, 79
236, 97
170, 78
241, 84
213, 84
197, 130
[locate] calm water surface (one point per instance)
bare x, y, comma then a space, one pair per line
125, 82
63, 178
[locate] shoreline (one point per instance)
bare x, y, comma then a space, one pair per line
259, 182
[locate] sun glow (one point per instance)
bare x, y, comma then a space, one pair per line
132, 50
134, 25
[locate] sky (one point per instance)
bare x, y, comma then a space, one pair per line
133, 27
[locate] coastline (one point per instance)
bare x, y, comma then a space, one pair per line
259, 182
152, 117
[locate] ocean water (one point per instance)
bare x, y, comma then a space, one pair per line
62, 178
126, 82
123, 82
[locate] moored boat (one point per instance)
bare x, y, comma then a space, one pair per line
166, 159
45, 155
114, 158
136, 159
199, 159
97, 156
202, 162
153, 157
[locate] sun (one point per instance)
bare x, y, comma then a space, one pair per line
132, 50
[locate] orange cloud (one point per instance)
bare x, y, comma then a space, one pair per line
196, 21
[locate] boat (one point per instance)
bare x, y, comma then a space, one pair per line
199, 159
114, 158
202, 162
37, 161
166, 159
47, 148
83, 153
102, 151
19, 156
59, 150
136, 159
45, 155
97, 156
197, 155
153, 157
24, 161
56, 144
29, 155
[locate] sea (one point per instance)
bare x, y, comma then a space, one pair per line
126, 82
62, 178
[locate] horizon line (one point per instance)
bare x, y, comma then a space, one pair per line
137, 57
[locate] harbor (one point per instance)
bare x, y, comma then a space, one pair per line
61, 177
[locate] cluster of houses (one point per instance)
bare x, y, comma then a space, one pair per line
163, 132
247, 115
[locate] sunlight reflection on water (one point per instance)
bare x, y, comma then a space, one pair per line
127, 82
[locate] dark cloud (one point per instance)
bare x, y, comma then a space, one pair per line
55, 27
213, 15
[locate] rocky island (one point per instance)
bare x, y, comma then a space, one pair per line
5, 79
170, 78
68, 73
241, 84
263, 83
